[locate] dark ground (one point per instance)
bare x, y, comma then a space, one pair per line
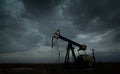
100, 68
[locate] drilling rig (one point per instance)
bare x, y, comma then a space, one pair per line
81, 59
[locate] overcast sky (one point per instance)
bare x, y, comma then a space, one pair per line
26, 28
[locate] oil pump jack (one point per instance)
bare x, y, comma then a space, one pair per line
70, 47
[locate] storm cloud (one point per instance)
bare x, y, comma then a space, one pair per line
26, 27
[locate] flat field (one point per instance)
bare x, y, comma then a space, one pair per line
37, 68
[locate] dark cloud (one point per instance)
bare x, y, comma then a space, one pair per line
29, 24
97, 17
40, 7
90, 16
2, 14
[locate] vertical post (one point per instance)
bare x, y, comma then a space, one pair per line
59, 56
73, 53
93, 55
67, 54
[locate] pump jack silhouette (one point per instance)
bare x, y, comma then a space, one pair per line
70, 47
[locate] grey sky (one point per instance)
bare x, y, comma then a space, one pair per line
26, 28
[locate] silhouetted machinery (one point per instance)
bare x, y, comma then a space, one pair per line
81, 59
